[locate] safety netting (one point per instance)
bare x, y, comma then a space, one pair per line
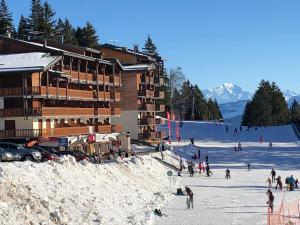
288, 213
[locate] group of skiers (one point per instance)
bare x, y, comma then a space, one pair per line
291, 182
238, 148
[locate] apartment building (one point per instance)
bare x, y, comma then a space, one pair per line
54, 89
142, 81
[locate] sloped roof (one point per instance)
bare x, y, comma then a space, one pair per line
139, 67
34, 61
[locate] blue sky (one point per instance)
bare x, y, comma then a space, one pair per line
238, 41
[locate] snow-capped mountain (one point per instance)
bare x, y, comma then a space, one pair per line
232, 99
289, 95
226, 93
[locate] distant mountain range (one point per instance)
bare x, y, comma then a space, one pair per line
232, 99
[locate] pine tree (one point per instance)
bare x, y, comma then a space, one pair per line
267, 107
23, 28
87, 36
295, 112
200, 104
36, 16
48, 22
6, 21
150, 47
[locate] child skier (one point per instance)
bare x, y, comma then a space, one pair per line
278, 183
270, 199
227, 174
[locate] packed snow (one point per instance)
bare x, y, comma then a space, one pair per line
127, 191
242, 199
67, 192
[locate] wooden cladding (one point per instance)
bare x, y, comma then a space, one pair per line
104, 129
65, 111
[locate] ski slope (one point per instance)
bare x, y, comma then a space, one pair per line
242, 199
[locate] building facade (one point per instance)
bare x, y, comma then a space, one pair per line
142, 82
53, 90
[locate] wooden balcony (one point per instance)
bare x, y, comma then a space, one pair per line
154, 135
65, 131
146, 107
160, 108
116, 95
104, 129
159, 95
147, 121
67, 111
72, 93
158, 81
45, 133
103, 112
146, 93
116, 111
117, 128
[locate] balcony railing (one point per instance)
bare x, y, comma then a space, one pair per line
158, 80
116, 128
147, 121
44, 133
67, 111
146, 93
116, 111
160, 108
151, 135
159, 95
104, 129
146, 107
103, 112
116, 95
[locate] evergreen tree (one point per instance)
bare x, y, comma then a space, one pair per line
36, 16
200, 104
6, 21
295, 112
267, 107
23, 28
87, 36
218, 111
48, 22
69, 33
150, 47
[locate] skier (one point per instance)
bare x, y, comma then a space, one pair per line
273, 174
227, 129
227, 172
200, 167
261, 140
191, 196
180, 166
206, 159
207, 170
239, 147
235, 149
199, 153
269, 182
248, 166
192, 141
270, 145
235, 131
160, 148
278, 183
270, 199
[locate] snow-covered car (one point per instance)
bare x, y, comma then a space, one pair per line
5, 156
20, 153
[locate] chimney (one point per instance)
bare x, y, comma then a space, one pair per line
135, 47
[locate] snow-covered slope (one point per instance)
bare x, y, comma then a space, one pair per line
71, 193
233, 109
227, 92
240, 200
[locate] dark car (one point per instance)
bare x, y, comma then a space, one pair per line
78, 155
47, 154
19, 152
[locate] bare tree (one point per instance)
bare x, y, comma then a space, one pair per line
176, 79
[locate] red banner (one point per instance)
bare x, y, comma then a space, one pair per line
169, 126
177, 131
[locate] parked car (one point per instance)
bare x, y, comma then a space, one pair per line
5, 155
19, 152
78, 155
47, 154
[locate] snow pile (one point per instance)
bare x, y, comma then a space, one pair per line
67, 192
